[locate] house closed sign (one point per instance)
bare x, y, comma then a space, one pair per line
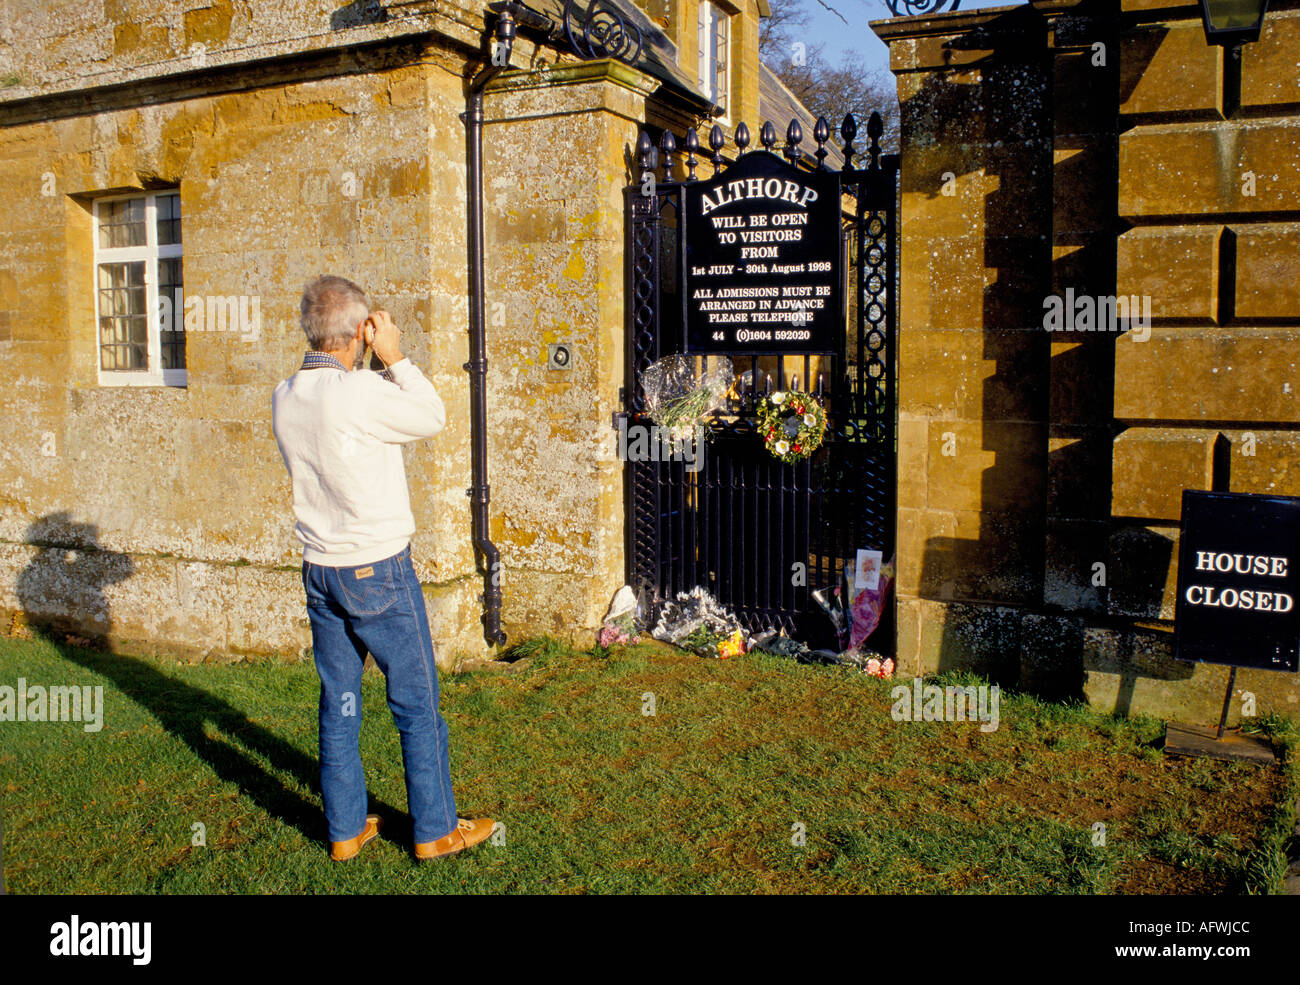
764, 260
1239, 581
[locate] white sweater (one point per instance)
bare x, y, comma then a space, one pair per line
340, 435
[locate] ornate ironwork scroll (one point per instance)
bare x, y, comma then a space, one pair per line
601, 31
910, 8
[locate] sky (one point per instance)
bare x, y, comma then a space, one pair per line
826, 29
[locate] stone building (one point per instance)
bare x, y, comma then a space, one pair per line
1105, 149
1099, 147
254, 145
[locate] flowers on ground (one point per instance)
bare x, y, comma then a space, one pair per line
610, 633
715, 644
876, 667
732, 646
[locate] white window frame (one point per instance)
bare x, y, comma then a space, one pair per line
150, 253
706, 41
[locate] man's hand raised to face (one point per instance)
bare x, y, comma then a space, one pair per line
383, 337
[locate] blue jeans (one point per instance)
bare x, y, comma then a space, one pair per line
378, 608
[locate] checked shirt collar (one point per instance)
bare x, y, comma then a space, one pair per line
323, 360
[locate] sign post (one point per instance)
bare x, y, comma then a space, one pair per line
1238, 587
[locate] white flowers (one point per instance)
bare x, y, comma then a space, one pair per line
791, 424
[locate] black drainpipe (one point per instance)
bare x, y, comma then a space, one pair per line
509, 14
478, 492
477, 366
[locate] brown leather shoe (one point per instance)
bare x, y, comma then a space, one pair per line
341, 851
466, 834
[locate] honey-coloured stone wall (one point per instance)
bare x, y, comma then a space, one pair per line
306, 138
1100, 149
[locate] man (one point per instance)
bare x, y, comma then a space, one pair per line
340, 429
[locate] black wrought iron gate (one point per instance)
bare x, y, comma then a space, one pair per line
743, 523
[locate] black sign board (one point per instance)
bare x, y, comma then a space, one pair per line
1239, 580
764, 260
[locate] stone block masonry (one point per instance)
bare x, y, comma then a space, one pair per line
158, 517
1075, 149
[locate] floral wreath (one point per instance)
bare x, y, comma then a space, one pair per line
792, 425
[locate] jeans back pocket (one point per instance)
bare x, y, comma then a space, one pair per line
368, 589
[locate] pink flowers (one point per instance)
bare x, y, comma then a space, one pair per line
611, 634
879, 668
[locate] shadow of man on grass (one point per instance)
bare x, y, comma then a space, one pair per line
62, 595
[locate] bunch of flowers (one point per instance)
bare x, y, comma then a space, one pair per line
696, 621
621, 623
711, 643
732, 646
612, 632
678, 398
792, 424
875, 667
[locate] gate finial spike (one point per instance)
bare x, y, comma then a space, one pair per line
821, 134
692, 145
768, 136
742, 137
875, 127
793, 136
848, 130
717, 141
643, 148
668, 144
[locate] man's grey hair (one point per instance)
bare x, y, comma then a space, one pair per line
331, 309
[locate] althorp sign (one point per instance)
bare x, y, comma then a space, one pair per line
753, 263
764, 260
1236, 580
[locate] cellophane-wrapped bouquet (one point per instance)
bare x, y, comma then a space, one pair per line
622, 621
698, 622
678, 397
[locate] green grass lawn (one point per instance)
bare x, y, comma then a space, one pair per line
703, 796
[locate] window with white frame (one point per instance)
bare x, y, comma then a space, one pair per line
139, 298
715, 61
